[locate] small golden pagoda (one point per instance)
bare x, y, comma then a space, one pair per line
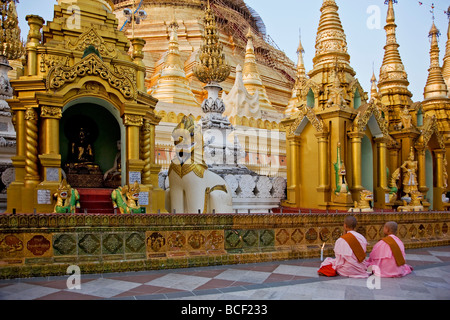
343, 145
81, 109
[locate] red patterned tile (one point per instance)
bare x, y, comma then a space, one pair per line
136, 278
276, 277
217, 283
68, 295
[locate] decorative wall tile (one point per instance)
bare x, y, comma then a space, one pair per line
311, 235
12, 246
135, 242
112, 243
267, 238
38, 245
89, 244
196, 240
65, 244
156, 243
215, 241
233, 240
282, 237
297, 236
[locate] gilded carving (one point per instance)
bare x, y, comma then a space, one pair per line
430, 127
92, 65
91, 37
133, 120
309, 113
364, 115
51, 112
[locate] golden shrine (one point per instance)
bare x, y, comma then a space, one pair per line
386, 143
97, 98
81, 96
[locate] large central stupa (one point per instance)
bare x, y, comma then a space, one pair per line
234, 19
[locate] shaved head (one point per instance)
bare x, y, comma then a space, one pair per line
390, 227
350, 222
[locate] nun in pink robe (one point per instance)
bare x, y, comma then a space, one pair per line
346, 263
383, 258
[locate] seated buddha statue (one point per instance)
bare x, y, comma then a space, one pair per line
81, 154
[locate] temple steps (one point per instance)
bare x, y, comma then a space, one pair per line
96, 201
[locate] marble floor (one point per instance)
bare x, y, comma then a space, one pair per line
279, 280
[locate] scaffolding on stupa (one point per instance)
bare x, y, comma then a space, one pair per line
236, 18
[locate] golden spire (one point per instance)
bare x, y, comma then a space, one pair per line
435, 87
173, 59
392, 69
251, 77
172, 86
11, 47
446, 66
374, 89
250, 67
301, 71
212, 67
331, 42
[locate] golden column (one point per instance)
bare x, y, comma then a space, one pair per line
151, 169
382, 177
32, 177
138, 44
356, 141
50, 158
31, 148
146, 151
15, 188
421, 168
438, 188
134, 163
293, 177
34, 38
324, 182
393, 153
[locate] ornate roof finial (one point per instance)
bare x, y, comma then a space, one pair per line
374, 88
331, 39
435, 87
446, 66
11, 47
392, 69
212, 67
301, 71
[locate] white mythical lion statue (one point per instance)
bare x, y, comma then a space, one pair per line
192, 187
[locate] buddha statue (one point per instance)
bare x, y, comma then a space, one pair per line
81, 150
80, 167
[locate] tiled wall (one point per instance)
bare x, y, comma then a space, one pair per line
40, 245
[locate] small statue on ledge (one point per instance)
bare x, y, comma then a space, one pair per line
67, 199
393, 187
363, 204
126, 198
409, 168
414, 205
340, 174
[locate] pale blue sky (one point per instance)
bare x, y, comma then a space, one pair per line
284, 18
